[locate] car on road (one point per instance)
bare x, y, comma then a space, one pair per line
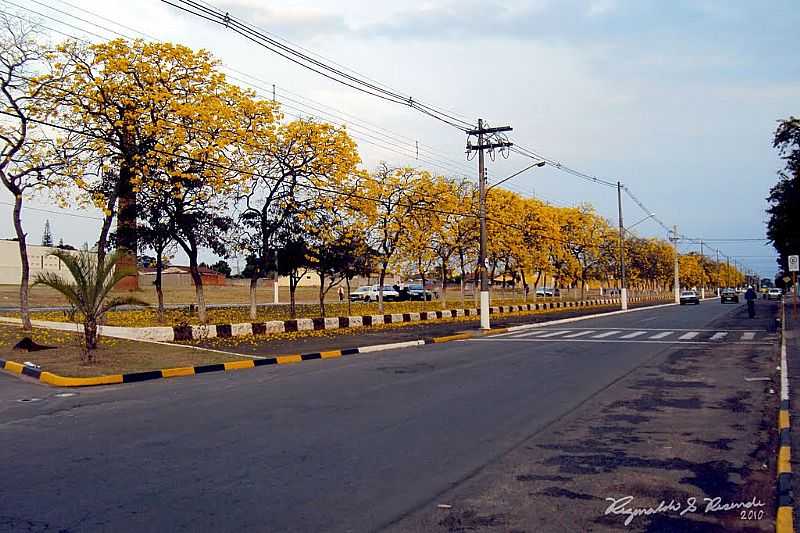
369, 293
689, 297
729, 295
774, 294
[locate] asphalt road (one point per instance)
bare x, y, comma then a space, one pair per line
351, 444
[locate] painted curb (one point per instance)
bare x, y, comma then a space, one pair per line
166, 373
199, 332
784, 520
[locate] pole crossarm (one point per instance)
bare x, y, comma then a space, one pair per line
485, 131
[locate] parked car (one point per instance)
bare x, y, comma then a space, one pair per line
774, 294
417, 292
369, 293
689, 297
546, 291
729, 295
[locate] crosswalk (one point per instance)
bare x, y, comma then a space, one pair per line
635, 335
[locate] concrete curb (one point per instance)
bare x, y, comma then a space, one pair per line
199, 332
65, 381
784, 521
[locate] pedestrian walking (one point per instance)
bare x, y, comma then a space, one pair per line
751, 296
341, 294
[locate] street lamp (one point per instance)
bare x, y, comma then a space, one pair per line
483, 191
623, 289
648, 217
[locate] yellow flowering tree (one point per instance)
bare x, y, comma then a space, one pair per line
291, 168
125, 97
389, 202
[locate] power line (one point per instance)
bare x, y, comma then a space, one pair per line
442, 163
64, 213
250, 33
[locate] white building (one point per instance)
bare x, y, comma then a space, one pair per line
39, 259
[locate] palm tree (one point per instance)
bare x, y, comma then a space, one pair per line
88, 293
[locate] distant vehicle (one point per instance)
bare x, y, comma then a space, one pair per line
546, 291
774, 294
418, 292
689, 297
729, 295
369, 293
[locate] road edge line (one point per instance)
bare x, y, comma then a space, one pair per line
784, 519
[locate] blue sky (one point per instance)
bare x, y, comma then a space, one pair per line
678, 100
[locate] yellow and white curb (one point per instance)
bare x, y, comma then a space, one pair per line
784, 521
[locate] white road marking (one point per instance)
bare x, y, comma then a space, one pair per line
719, 335
553, 334
607, 334
748, 336
579, 334
530, 333
632, 335
661, 335
689, 336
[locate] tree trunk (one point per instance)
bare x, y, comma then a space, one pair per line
127, 236
322, 295
381, 279
347, 280
90, 334
198, 288
24, 307
293, 280
422, 277
253, 306
463, 276
444, 284
159, 290
102, 242
524, 286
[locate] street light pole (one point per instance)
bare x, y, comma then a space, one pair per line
623, 290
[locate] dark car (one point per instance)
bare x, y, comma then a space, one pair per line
729, 295
417, 292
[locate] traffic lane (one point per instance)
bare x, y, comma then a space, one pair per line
350, 447
670, 316
696, 423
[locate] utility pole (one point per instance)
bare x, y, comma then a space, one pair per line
702, 266
728, 271
623, 289
487, 140
719, 281
676, 285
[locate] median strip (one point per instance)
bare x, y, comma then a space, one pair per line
169, 373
